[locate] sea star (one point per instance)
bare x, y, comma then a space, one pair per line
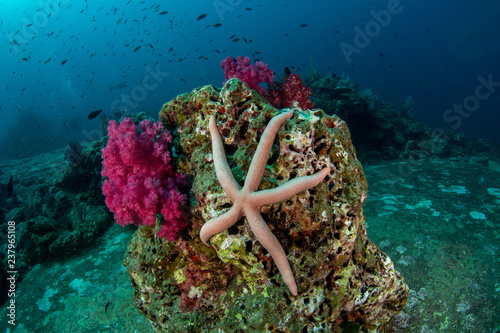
247, 200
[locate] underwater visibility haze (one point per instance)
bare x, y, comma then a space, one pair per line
250, 166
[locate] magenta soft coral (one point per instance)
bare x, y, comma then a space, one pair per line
141, 181
250, 74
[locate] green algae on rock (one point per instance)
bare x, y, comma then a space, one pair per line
344, 281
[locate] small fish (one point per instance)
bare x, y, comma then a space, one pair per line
381, 55
118, 86
287, 71
63, 62
106, 307
10, 187
303, 25
202, 16
163, 13
218, 24
137, 48
235, 40
94, 114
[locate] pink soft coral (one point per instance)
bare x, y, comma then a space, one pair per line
141, 181
250, 74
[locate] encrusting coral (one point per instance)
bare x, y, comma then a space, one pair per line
343, 280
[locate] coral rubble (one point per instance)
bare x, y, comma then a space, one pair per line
344, 281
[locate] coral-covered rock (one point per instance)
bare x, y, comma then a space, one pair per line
343, 279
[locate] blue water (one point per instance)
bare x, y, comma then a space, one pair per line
62, 59
439, 53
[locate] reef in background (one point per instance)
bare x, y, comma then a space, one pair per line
56, 204
383, 131
344, 280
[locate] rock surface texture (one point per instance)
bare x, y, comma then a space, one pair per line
345, 283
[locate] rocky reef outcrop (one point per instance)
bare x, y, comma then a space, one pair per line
345, 283
56, 205
383, 131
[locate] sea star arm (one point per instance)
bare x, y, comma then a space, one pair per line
222, 169
267, 239
261, 155
248, 202
220, 223
288, 189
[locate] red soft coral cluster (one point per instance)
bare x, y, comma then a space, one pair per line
141, 181
281, 95
250, 74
